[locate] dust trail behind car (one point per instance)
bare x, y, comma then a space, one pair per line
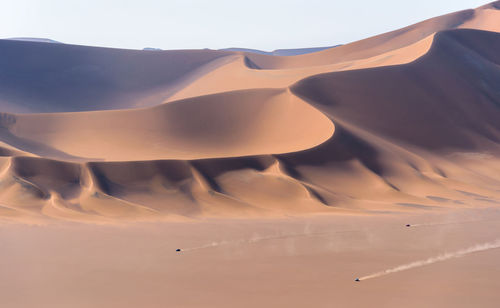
442, 257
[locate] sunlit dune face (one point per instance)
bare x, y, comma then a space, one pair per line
230, 124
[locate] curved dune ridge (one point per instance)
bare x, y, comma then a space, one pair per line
403, 121
482, 18
228, 124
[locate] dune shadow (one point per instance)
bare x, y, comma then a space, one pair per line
416, 205
35, 147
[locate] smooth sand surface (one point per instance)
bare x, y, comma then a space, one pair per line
309, 261
281, 178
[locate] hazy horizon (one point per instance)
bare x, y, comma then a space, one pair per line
195, 24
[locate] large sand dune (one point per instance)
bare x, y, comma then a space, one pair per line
404, 121
232, 178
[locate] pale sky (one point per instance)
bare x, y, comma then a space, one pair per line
187, 24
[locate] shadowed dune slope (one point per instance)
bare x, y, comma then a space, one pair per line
41, 77
446, 99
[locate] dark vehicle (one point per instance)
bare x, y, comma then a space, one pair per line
178, 249
357, 279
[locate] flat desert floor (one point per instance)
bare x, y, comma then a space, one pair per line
293, 262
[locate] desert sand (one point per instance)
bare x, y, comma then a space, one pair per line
280, 178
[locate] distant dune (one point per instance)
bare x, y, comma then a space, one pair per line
34, 39
404, 121
281, 52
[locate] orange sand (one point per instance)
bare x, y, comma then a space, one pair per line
154, 150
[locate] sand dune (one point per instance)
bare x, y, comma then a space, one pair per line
388, 41
40, 77
222, 125
415, 99
406, 121
245, 77
281, 52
